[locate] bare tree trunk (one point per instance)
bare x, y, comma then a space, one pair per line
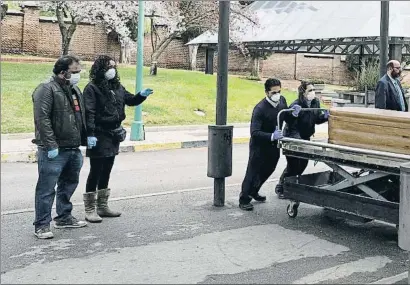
122, 54
193, 51
65, 45
66, 39
154, 68
66, 33
125, 52
255, 66
158, 52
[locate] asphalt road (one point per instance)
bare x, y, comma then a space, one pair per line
170, 232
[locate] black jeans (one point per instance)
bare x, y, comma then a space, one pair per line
100, 170
295, 166
63, 170
260, 167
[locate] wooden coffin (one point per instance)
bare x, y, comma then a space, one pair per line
369, 128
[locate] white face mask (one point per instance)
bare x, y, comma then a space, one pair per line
75, 78
275, 97
311, 95
110, 74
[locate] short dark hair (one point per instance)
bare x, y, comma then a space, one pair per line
63, 63
271, 82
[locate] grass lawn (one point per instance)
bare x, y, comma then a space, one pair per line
177, 94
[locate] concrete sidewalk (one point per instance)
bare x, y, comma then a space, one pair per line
19, 148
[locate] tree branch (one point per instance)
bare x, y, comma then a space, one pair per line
200, 17
244, 16
60, 19
152, 34
163, 45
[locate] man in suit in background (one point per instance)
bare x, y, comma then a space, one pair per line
389, 92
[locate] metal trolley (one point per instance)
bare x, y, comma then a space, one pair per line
362, 184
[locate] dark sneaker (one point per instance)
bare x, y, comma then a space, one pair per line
44, 233
259, 198
281, 196
246, 207
69, 223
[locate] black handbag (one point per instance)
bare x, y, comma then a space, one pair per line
119, 134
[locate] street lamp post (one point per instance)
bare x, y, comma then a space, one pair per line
220, 135
384, 36
137, 126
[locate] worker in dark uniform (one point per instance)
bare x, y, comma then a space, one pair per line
263, 147
302, 128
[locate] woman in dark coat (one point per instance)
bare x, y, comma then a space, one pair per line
105, 99
302, 128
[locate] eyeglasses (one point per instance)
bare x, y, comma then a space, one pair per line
311, 90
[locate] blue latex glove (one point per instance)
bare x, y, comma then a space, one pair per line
297, 108
91, 142
277, 135
52, 153
326, 114
146, 92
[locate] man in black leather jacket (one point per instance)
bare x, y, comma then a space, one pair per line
59, 118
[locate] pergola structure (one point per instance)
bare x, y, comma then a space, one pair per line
342, 46
321, 27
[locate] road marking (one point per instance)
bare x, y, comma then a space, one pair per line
185, 261
368, 264
29, 210
393, 279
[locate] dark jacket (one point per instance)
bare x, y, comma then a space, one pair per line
304, 126
264, 123
54, 117
387, 97
104, 113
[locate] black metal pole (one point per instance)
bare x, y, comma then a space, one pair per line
223, 48
222, 88
384, 37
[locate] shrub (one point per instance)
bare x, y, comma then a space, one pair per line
253, 78
314, 81
369, 76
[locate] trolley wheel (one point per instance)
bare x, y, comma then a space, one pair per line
292, 210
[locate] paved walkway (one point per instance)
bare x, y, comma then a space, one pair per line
18, 147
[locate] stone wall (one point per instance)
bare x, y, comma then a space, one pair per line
25, 32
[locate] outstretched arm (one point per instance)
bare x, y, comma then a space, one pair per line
135, 100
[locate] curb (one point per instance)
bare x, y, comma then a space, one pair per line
31, 156
148, 129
